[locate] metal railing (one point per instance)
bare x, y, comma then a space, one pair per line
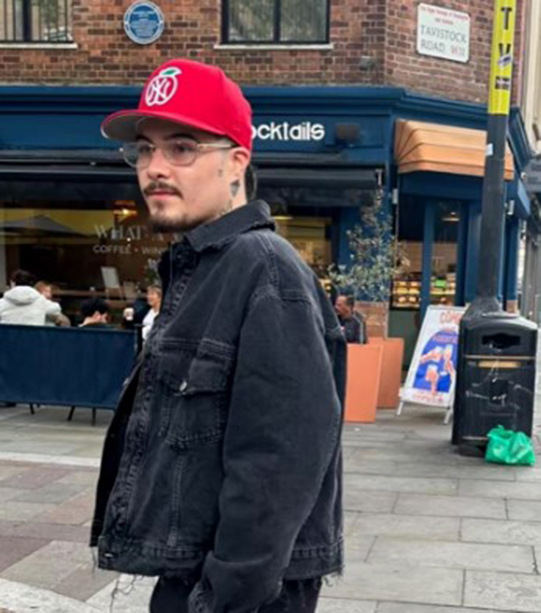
35, 21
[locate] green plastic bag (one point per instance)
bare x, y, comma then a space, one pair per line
508, 447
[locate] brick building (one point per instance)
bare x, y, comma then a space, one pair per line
365, 42
329, 81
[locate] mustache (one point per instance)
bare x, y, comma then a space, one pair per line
160, 186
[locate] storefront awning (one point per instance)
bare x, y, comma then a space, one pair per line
435, 147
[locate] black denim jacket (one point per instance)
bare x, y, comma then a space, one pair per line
223, 458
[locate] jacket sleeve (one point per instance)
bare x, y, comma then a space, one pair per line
283, 427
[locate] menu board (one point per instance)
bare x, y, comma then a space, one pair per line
431, 377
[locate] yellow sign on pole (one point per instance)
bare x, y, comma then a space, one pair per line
501, 69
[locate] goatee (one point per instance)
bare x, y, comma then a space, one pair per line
160, 227
168, 226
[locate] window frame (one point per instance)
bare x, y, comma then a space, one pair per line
276, 41
27, 8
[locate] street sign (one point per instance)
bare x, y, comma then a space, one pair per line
443, 33
144, 23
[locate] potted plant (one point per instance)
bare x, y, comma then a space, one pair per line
375, 258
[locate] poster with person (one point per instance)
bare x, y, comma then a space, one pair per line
432, 374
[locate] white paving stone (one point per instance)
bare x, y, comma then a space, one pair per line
524, 510
473, 556
395, 607
504, 532
41, 458
450, 506
503, 591
407, 526
342, 605
518, 490
378, 582
132, 596
412, 485
21, 598
369, 502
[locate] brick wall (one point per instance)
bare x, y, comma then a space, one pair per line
374, 44
403, 66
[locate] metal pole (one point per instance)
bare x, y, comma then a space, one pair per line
492, 218
493, 185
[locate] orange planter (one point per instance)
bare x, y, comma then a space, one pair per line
391, 370
363, 379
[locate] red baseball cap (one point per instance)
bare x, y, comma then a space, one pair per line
192, 94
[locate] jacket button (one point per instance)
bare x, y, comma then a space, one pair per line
183, 386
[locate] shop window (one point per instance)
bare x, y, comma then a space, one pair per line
444, 255
97, 246
443, 282
275, 21
310, 236
35, 21
308, 218
406, 293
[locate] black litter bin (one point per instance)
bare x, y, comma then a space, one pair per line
496, 378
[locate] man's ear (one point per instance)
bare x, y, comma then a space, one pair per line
239, 160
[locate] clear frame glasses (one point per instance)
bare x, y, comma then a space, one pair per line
178, 152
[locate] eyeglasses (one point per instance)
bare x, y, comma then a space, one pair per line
177, 152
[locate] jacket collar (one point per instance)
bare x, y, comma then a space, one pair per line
214, 235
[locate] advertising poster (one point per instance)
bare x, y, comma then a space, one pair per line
432, 375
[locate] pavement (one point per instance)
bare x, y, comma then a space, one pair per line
427, 530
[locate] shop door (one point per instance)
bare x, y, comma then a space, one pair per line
444, 243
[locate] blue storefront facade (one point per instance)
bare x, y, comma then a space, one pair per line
321, 153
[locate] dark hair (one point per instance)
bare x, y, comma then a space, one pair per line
350, 300
90, 306
22, 277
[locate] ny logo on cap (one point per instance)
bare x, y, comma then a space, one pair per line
162, 87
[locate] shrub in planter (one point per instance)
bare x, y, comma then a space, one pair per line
374, 259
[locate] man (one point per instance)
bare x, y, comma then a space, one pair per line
352, 326
154, 299
46, 290
95, 312
221, 468
23, 304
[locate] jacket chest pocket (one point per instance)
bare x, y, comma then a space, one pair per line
193, 401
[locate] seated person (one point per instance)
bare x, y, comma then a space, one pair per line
96, 313
23, 304
154, 299
352, 325
46, 290
134, 315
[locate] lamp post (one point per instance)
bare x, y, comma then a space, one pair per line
486, 307
501, 72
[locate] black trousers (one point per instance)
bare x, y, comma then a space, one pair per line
171, 596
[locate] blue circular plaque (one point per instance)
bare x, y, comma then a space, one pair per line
144, 22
